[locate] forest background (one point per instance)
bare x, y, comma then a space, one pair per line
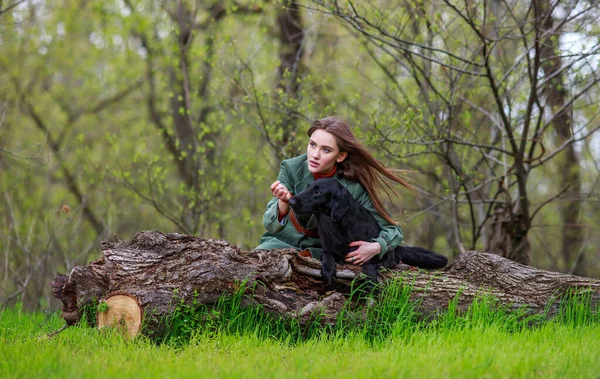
118, 116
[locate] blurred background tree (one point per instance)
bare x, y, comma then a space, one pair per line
123, 115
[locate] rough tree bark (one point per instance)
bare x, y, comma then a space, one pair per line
154, 265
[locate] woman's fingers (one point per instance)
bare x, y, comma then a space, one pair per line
286, 196
353, 258
365, 251
280, 192
274, 185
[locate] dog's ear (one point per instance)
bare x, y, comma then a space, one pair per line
340, 203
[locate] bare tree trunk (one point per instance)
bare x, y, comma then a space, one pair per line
153, 267
291, 38
556, 94
508, 235
289, 72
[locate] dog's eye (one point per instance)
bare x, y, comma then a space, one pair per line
317, 192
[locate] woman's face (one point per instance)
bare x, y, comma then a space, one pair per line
323, 152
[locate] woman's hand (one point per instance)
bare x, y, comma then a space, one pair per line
283, 194
365, 251
280, 192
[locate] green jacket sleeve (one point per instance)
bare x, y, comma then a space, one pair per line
391, 235
271, 216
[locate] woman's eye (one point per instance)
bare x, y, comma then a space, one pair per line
327, 150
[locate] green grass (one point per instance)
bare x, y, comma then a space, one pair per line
487, 341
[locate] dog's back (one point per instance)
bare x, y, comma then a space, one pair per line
358, 224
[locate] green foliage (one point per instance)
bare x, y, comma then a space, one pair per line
102, 307
487, 312
230, 316
392, 315
576, 308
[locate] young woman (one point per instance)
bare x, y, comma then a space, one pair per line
332, 151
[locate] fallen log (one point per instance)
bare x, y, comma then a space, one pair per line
154, 268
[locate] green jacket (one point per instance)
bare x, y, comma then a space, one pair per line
295, 176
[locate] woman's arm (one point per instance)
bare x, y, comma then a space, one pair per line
283, 196
277, 206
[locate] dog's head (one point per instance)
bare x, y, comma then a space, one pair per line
323, 196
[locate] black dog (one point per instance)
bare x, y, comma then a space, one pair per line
341, 220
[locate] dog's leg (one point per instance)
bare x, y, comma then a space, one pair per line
371, 270
328, 268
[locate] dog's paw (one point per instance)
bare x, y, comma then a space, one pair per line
329, 282
328, 267
328, 275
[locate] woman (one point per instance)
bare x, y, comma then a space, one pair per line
332, 151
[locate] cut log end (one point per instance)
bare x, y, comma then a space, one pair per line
124, 312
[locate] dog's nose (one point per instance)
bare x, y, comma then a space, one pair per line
292, 202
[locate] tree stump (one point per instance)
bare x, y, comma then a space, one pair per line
122, 311
154, 267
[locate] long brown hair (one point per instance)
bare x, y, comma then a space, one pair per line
360, 165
